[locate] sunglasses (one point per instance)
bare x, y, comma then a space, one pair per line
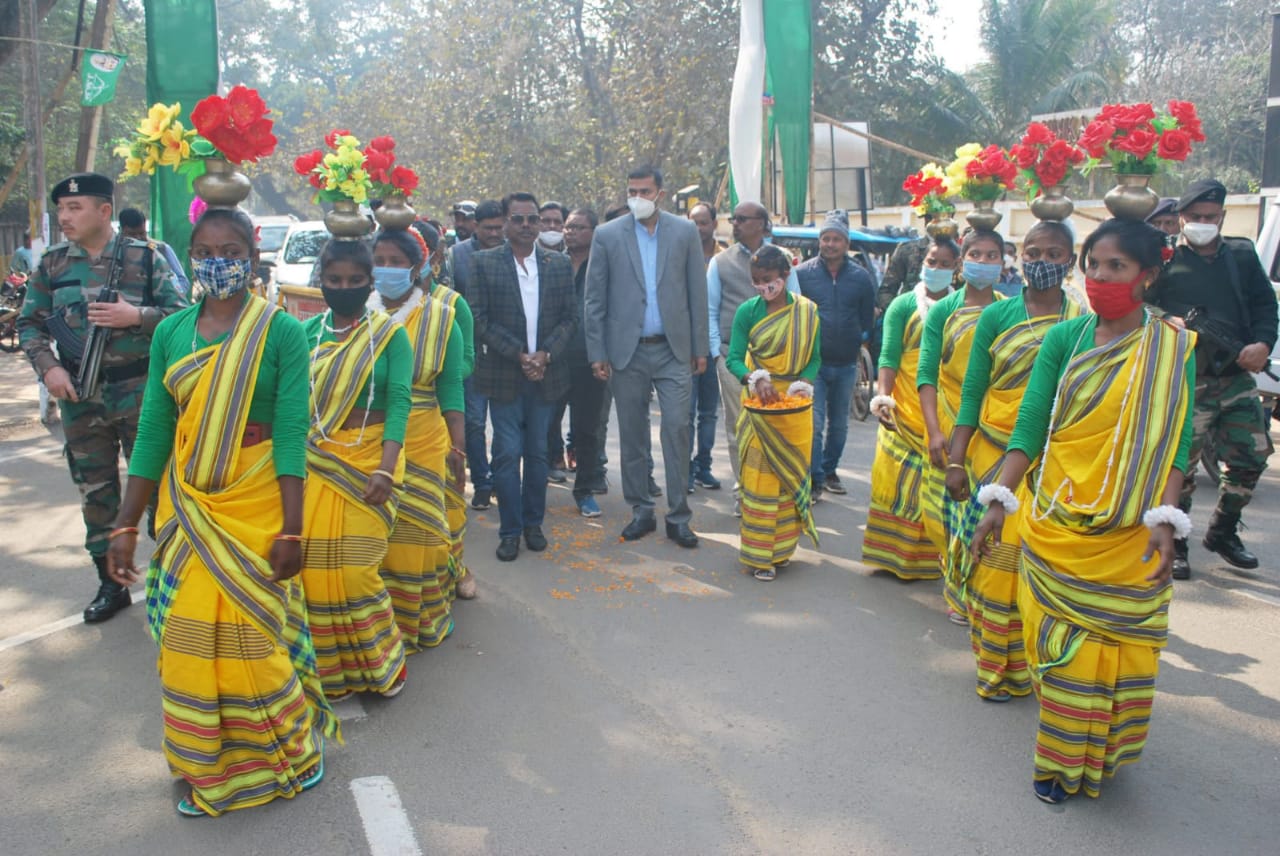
527, 219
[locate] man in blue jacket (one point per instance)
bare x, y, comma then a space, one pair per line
846, 299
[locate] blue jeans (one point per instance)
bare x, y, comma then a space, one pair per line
520, 436
703, 408
477, 450
832, 392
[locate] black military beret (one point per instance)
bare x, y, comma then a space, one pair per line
1168, 205
84, 184
1203, 190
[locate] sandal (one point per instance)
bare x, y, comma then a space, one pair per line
312, 777
187, 807
766, 574
783, 564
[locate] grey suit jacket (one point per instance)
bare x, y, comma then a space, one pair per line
614, 299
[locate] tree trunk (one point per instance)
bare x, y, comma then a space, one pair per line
91, 117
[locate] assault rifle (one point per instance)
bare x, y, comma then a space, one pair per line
82, 356
1221, 336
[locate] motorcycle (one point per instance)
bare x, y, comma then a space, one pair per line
12, 292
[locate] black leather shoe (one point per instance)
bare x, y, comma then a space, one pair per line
533, 537
682, 535
1181, 567
638, 528
111, 599
508, 549
482, 499
654, 490
1228, 546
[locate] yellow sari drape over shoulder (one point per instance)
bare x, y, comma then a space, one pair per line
417, 568
455, 503
358, 644
1093, 624
774, 448
243, 708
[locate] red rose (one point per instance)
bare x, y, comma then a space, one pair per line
1184, 112
304, 164
1133, 116
331, 138
1096, 136
246, 106
1138, 142
259, 142
1050, 173
210, 113
383, 144
1174, 145
973, 169
404, 179
1024, 155
911, 183
1037, 135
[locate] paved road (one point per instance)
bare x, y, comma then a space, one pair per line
609, 698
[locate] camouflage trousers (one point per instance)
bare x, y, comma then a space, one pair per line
97, 431
1230, 420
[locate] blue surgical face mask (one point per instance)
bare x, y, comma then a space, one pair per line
392, 282
980, 274
936, 279
1042, 275
223, 278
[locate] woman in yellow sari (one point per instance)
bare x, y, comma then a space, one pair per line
1004, 348
900, 538
944, 357
773, 351
1108, 413
223, 430
361, 376
417, 568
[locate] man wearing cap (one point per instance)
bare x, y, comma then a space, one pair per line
903, 271
1223, 277
63, 294
1165, 217
464, 221
846, 299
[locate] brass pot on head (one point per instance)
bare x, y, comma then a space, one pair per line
222, 185
345, 222
1052, 204
395, 212
984, 215
1131, 198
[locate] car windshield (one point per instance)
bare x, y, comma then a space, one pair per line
304, 247
270, 238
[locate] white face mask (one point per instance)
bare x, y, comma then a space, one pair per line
1009, 261
551, 239
641, 207
1200, 234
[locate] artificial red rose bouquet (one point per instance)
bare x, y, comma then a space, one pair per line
1043, 160
981, 174
1136, 140
929, 191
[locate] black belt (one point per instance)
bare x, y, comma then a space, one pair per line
115, 374
653, 340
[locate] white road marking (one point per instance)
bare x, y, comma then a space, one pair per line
31, 452
11, 642
386, 826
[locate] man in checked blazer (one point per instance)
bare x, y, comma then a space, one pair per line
645, 313
522, 297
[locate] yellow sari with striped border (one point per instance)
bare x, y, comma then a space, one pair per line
455, 503
1093, 625
774, 449
417, 569
895, 539
243, 707
359, 647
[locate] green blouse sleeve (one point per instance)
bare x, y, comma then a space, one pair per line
977, 375
895, 322
1183, 456
931, 343
1037, 400
810, 371
466, 326
291, 415
736, 361
398, 362
159, 417
449, 382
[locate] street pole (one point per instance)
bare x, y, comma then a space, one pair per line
37, 209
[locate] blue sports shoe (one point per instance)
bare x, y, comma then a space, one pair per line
589, 507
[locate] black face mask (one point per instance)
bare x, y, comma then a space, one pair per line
346, 302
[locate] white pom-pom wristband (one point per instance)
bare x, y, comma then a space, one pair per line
1172, 515
802, 388
883, 402
990, 493
758, 374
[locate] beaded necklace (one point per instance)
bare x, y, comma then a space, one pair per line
367, 318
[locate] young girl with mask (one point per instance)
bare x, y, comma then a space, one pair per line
896, 538
1107, 414
416, 569
224, 431
361, 365
774, 351
1004, 349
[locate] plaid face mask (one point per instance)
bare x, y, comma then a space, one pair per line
1042, 275
223, 278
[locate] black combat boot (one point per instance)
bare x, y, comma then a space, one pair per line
112, 597
1223, 540
1181, 567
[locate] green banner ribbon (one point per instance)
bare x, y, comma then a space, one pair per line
98, 75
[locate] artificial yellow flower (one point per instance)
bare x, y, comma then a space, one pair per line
350, 157
159, 117
969, 151
359, 175
132, 167
151, 159
176, 146
123, 150
348, 141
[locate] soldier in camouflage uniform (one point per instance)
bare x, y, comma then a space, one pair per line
67, 284
1224, 277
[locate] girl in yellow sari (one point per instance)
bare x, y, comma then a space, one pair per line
361, 373
417, 568
896, 538
944, 357
773, 351
223, 430
1004, 348
1108, 412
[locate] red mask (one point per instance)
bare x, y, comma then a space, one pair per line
1112, 300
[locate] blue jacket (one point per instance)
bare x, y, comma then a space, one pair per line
846, 307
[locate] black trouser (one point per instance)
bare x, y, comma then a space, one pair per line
586, 398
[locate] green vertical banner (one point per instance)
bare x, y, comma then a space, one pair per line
98, 75
788, 41
182, 66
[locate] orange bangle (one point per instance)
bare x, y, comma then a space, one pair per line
123, 530
458, 451
295, 539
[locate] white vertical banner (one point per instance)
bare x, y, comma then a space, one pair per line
746, 108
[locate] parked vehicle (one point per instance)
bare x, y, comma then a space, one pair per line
12, 292
272, 231
294, 266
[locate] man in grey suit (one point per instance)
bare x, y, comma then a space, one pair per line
645, 314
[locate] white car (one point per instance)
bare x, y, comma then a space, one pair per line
299, 252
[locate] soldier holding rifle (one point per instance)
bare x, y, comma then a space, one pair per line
86, 326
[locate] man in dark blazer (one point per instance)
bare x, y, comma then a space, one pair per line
522, 297
645, 313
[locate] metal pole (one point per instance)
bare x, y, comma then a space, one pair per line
36, 205
1271, 137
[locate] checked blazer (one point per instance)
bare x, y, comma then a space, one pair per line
494, 295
